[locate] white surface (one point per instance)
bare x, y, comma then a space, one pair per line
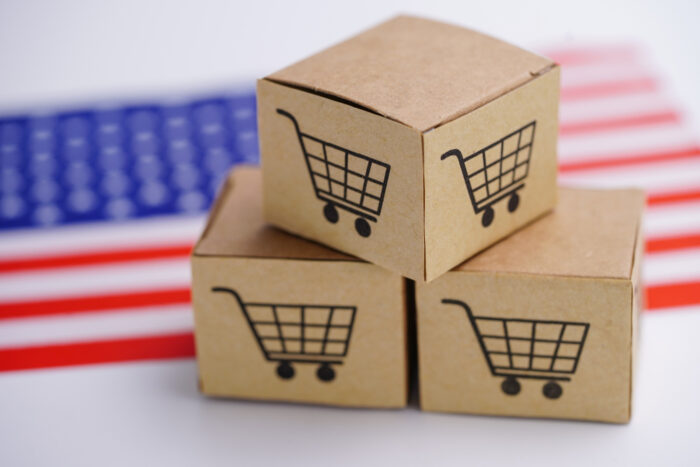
68, 51
155, 416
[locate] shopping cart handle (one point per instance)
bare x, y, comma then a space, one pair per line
231, 291
449, 301
291, 117
452, 152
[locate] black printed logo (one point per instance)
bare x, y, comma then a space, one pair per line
497, 171
344, 179
528, 348
287, 334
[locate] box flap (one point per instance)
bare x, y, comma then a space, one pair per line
236, 226
591, 233
419, 72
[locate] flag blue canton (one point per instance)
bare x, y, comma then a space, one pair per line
123, 162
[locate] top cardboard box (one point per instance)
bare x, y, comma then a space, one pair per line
434, 140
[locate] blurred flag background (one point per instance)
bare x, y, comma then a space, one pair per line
100, 207
101, 203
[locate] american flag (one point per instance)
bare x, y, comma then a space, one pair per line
114, 286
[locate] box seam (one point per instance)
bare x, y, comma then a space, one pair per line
408, 335
631, 359
283, 258
450, 118
633, 345
534, 274
423, 210
533, 77
331, 96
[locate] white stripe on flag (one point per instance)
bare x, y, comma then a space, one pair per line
674, 266
596, 73
131, 322
95, 280
602, 108
675, 219
657, 177
158, 232
633, 140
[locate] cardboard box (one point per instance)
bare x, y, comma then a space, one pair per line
413, 145
543, 324
343, 321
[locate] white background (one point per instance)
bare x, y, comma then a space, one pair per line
57, 52
67, 50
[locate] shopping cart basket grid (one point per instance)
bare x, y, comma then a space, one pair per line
339, 192
327, 330
486, 186
510, 354
297, 348
511, 370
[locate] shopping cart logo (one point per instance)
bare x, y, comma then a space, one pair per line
497, 171
528, 348
287, 334
344, 179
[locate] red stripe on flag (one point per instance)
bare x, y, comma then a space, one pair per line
668, 116
602, 162
608, 88
106, 351
181, 345
679, 242
80, 304
97, 257
673, 197
673, 295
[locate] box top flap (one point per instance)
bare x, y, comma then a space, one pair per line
419, 72
591, 233
236, 227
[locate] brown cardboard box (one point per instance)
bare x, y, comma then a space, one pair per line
571, 280
343, 320
391, 131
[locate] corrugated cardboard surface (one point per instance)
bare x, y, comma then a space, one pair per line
453, 372
524, 281
591, 233
453, 230
271, 267
416, 71
374, 372
290, 201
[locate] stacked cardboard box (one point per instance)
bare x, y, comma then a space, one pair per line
415, 146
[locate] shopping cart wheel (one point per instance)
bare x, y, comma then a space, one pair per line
285, 370
513, 202
487, 217
325, 372
331, 213
362, 227
552, 390
510, 386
